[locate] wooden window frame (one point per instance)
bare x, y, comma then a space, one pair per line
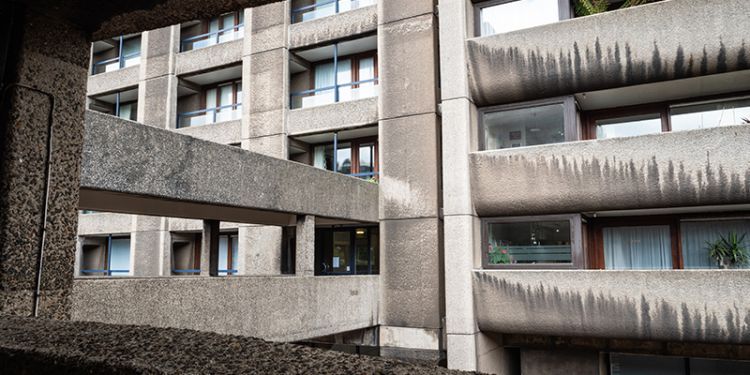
355, 144
355, 58
577, 256
595, 254
664, 108
570, 117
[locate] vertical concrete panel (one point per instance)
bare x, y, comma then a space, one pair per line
51, 78
454, 29
146, 252
305, 258
259, 250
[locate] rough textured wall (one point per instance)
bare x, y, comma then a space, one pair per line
699, 167
299, 308
649, 43
326, 29
48, 87
125, 157
690, 306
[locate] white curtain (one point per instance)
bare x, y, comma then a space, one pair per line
319, 160
223, 255
345, 76
696, 234
324, 75
647, 247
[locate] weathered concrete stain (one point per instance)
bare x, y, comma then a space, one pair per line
603, 310
699, 167
595, 53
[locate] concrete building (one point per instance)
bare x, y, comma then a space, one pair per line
529, 191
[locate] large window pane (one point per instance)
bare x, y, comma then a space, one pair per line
697, 234
629, 364
643, 247
710, 115
344, 159
713, 367
516, 15
366, 158
341, 249
529, 242
524, 127
119, 261
629, 126
362, 250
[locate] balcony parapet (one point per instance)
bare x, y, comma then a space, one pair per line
686, 305
650, 43
677, 169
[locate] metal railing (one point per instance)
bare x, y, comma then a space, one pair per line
327, 8
106, 272
119, 60
208, 115
211, 38
336, 89
365, 174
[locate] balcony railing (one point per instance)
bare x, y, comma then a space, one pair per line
327, 8
103, 272
334, 94
212, 38
209, 115
116, 63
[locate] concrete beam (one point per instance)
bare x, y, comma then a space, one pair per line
131, 168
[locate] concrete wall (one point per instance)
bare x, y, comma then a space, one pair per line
656, 42
298, 308
698, 167
133, 160
327, 29
685, 306
333, 117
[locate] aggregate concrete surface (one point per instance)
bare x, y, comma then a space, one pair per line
31, 346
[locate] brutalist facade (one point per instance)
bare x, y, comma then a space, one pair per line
530, 189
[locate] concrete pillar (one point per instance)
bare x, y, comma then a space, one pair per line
305, 246
265, 68
259, 250
157, 88
409, 129
45, 89
462, 228
210, 248
146, 246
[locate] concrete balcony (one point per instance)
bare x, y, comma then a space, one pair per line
132, 168
208, 58
650, 43
113, 81
332, 117
677, 169
689, 306
224, 132
298, 308
330, 28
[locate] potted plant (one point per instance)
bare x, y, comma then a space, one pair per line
589, 7
498, 255
728, 251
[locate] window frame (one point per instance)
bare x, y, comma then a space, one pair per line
196, 239
205, 24
571, 125
577, 257
107, 270
595, 246
565, 11
355, 145
664, 108
352, 253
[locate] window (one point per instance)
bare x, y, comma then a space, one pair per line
105, 256
710, 114
666, 117
357, 157
697, 234
186, 254
288, 250
502, 16
219, 103
216, 30
534, 242
306, 10
529, 124
117, 53
347, 251
338, 79
228, 254
122, 104
633, 364
661, 242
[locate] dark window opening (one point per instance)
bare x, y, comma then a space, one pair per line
347, 251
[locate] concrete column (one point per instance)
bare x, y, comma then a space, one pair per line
146, 246
462, 229
409, 129
305, 246
210, 248
265, 68
45, 88
259, 250
157, 88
